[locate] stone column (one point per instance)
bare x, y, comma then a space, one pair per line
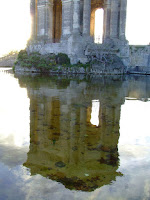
66, 18
33, 19
122, 22
76, 16
49, 21
107, 15
114, 19
45, 20
86, 17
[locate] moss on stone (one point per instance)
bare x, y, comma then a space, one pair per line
62, 58
44, 63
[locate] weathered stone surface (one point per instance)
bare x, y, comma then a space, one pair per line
8, 61
68, 26
113, 66
98, 68
140, 56
78, 22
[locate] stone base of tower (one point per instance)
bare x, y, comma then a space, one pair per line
72, 24
82, 49
121, 47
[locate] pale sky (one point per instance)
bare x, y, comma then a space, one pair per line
138, 21
15, 23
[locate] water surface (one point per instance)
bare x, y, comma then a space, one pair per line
74, 137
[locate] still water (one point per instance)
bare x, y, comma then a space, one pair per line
74, 138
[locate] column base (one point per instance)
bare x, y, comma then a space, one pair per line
115, 41
64, 38
76, 47
88, 38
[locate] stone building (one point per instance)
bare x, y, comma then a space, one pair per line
68, 26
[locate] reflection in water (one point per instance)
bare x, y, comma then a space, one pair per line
87, 139
14, 127
95, 112
64, 144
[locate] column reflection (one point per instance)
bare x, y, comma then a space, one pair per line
65, 144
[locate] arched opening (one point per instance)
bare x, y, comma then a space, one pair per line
57, 20
98, 29
96, 25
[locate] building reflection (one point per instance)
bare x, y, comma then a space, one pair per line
65, 144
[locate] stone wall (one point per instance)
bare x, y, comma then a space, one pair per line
140, 58
48, 48
8, 61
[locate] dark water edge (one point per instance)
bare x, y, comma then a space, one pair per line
81, 137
